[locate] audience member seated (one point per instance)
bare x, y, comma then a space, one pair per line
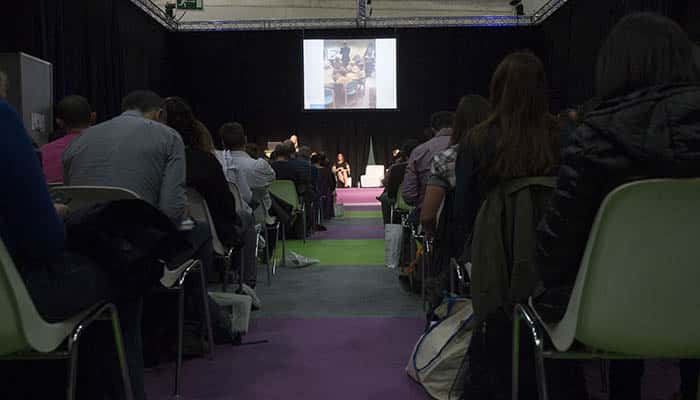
256, 173
418, 169
73, 115
326, 184
300, 172
394, 177
647, 126
341, 169
519, 139
61, 283
205, 175
471, 111
134, 151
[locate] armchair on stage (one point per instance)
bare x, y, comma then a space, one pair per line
374, 174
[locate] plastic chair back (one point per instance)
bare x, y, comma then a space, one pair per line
77, 197
637, 288
286, 191
22, 327
199, 211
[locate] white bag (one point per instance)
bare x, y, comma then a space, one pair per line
439, 355
338, 210
393, 238
295, 260
238, 306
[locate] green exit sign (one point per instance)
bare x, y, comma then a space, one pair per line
190, 4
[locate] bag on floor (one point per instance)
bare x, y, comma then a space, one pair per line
338, 210
393, 239
438, 360
234, 312
295, 260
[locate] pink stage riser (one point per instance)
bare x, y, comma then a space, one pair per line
358, 196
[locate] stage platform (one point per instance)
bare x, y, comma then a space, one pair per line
358, 196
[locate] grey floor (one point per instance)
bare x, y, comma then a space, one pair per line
338, 291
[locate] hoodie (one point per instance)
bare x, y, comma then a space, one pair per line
652, 133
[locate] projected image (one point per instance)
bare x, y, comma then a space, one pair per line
350, 74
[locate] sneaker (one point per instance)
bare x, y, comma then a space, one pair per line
171, 276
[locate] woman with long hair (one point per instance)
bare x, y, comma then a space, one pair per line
519, 139
647, 125
341, 169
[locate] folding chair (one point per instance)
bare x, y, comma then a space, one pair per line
285, 191
24, 335
635, 295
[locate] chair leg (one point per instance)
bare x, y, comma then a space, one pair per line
268, 267
604, 375
303, 224
180, 339
123, 366
284, 246
206, 311
519, 314
72, 368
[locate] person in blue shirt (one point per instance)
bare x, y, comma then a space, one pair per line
60, 283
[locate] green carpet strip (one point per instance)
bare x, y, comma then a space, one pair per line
340, 252
361, 214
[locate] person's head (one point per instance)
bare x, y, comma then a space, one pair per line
525, 133
304, 153
644, 50
295, 140
233, 136
180, 117
146, 102
74, 113
471, 111
407, 148
442, 120
3, 84
253, 150
317, 158
203, 140
340, 158
284, 150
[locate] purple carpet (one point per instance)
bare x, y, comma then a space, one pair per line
310, 359
358, 196
352, 232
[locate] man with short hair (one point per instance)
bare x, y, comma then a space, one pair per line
418, 168
134, 151
258, 174
73, 115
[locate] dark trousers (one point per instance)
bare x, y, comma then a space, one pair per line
626, 379
249, 267
66, 287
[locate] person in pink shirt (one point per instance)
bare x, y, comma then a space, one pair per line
73, 115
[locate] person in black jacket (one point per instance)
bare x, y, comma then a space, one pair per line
647, 126
205, 175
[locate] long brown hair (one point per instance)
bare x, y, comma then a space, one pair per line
525, 134
471, 111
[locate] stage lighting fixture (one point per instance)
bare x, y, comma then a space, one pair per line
518, 7
170, 10
514, 3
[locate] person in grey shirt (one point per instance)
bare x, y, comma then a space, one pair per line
134, 151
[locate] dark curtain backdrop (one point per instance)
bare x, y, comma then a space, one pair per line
256, 78
100, 49
574, 34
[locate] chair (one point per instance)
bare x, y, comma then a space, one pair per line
286, 191
643, 248
24, 335
374, 174
86, 196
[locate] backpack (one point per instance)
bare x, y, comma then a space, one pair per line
439, 360
503, 246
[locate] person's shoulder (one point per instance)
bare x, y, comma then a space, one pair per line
8, 115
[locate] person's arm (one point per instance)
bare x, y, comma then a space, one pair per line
410, 188
347, 168
434, 196
263, 175
173, 194
563, 232
34, 230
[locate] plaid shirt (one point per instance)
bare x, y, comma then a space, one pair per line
443, 168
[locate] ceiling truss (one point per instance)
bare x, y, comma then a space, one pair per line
536, 18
